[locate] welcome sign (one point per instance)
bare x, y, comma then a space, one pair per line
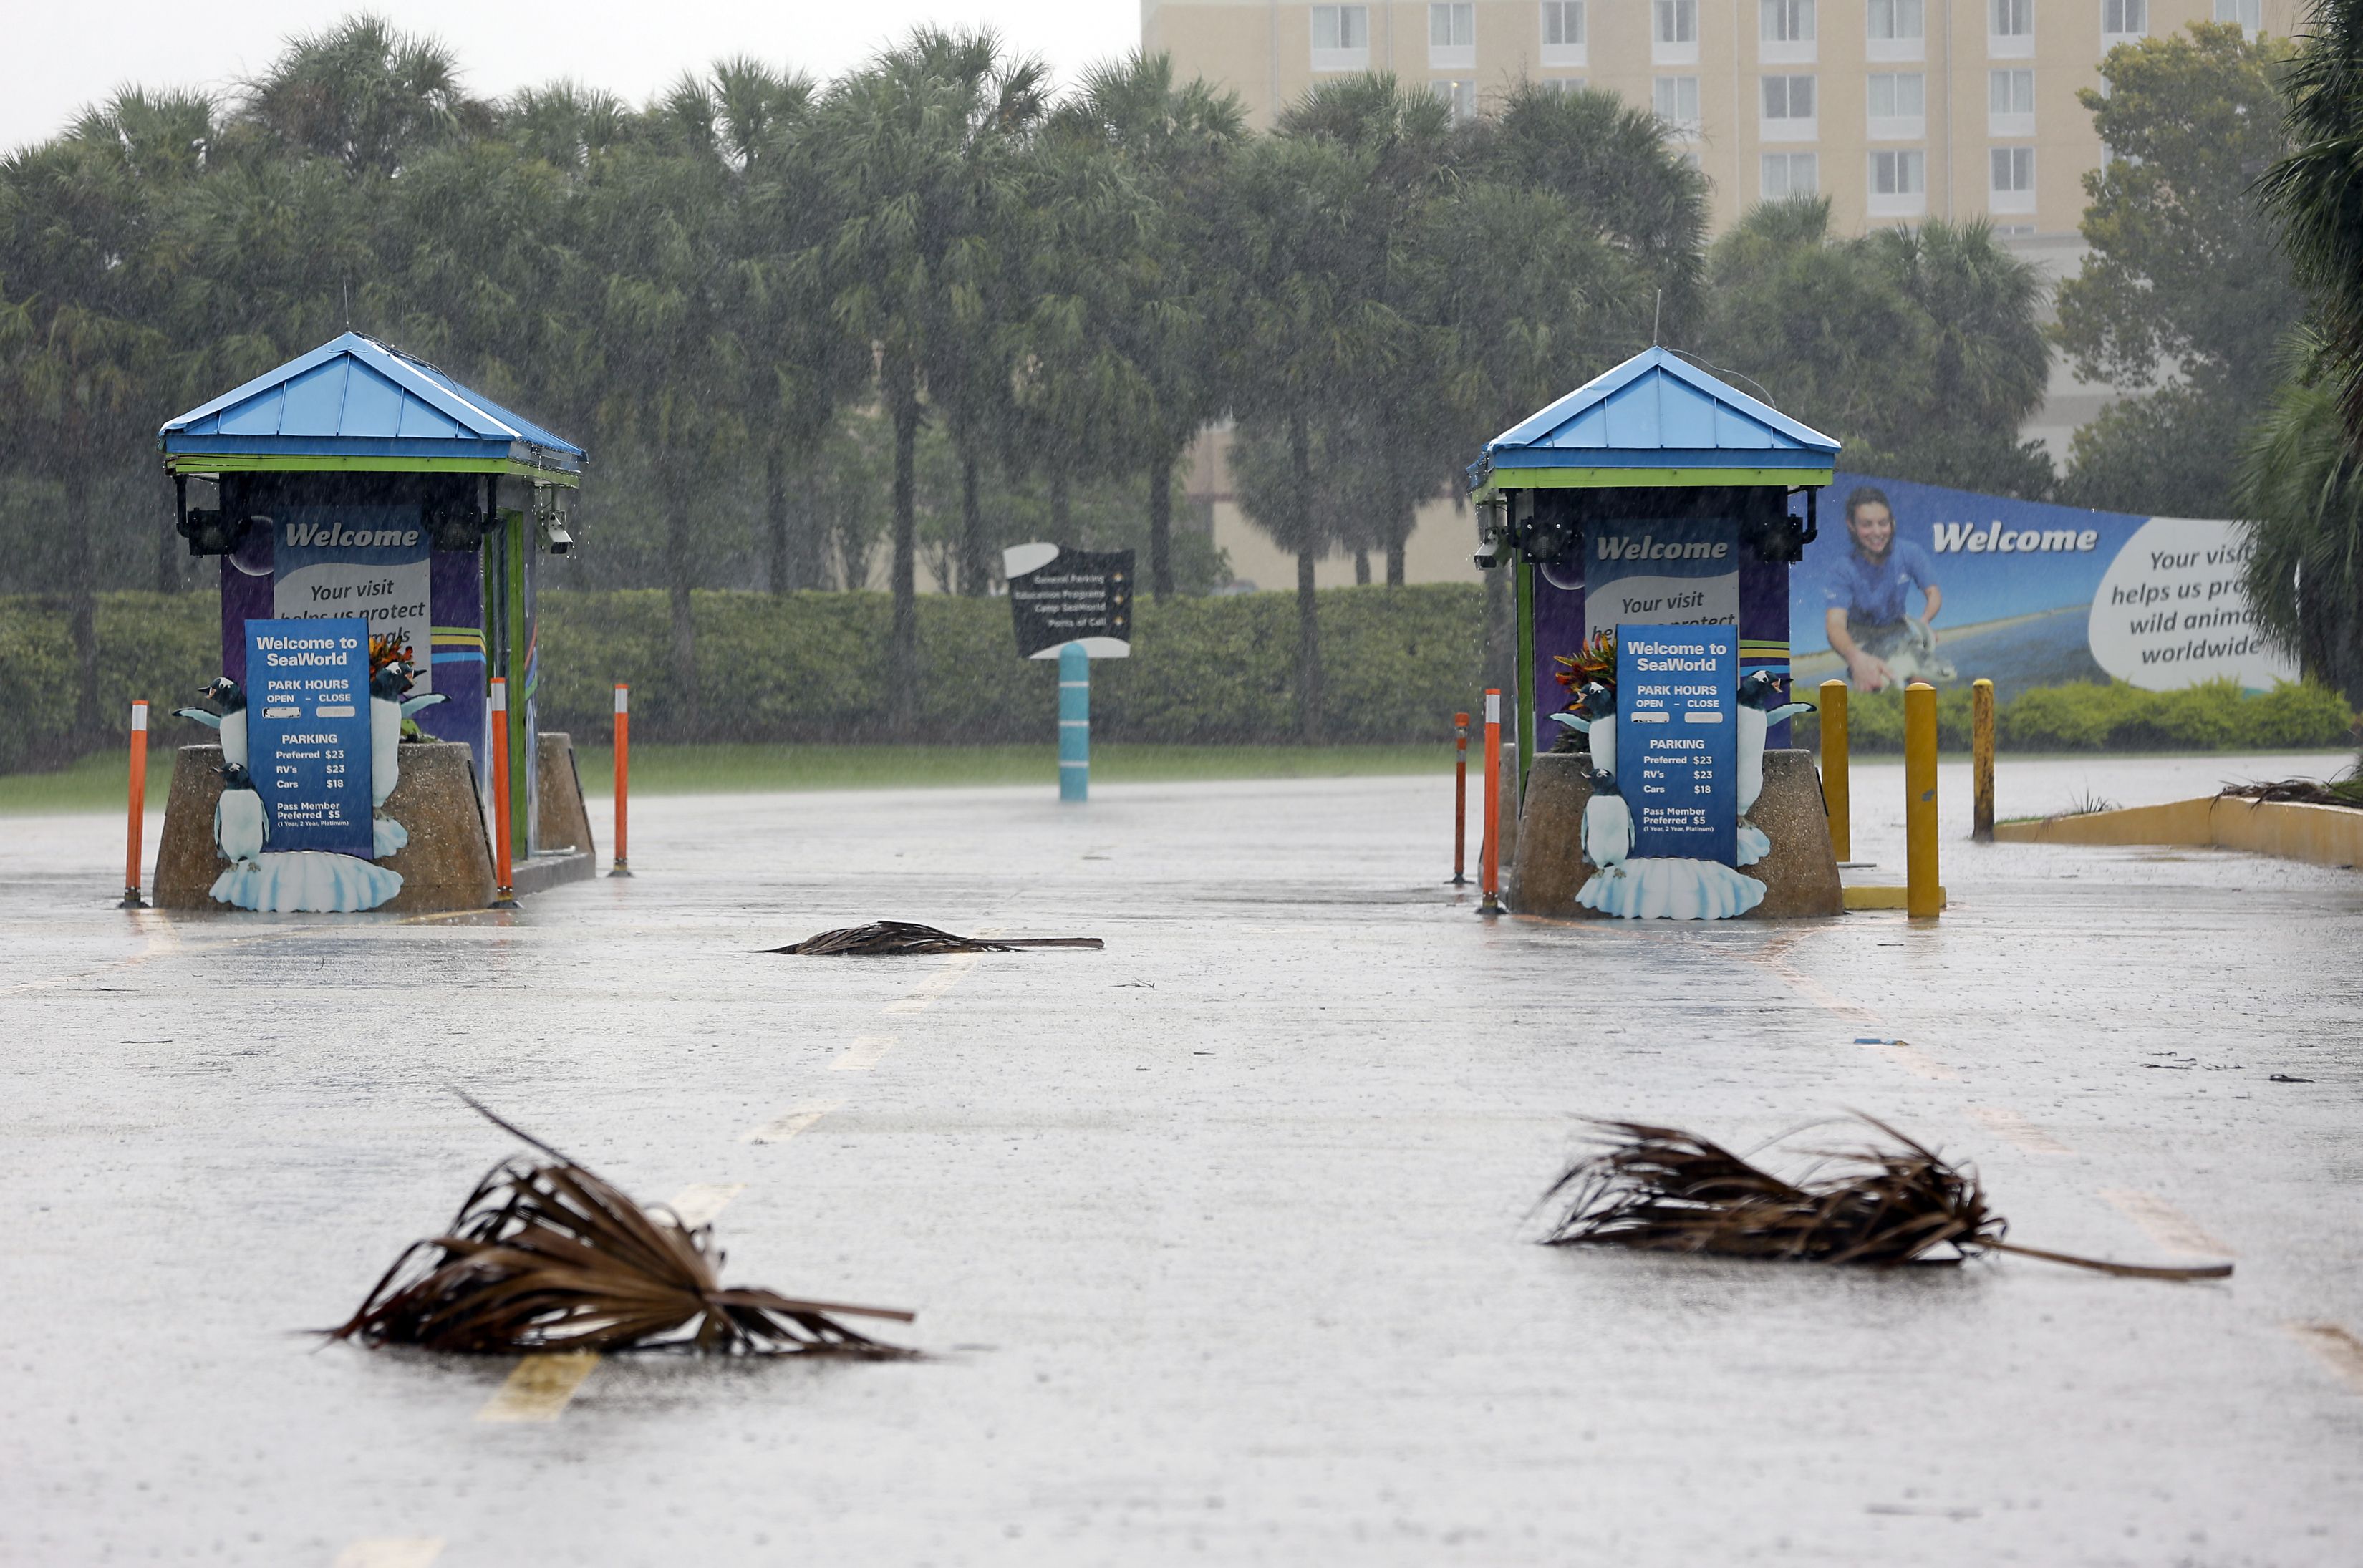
1660, 571
307, 738
2029, 594
369, 562
1677, 747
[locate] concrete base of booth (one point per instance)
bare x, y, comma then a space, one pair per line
448, 863
1800, 877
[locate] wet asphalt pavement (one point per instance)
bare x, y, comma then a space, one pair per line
1220, 1240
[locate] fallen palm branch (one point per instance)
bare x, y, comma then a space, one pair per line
1662, 1189
545, 1256
2346, 792
886, 938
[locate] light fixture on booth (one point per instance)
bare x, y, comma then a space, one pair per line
212, 529
549, 510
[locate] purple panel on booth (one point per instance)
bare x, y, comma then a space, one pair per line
244, 597
456, 584
1558, 629
1764, 627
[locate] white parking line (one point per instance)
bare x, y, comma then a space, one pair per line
391, 1552
542, 1386
794, 1119
925, 994
863, 1054
2167, 1226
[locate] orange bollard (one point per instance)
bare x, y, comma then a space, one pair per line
502, 892
1461, 799
1489, 861
131, 898
623, 867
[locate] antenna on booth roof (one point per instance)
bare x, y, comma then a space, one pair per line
1656, 315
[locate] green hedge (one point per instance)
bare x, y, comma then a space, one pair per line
812, 666
2217, 716
1396, 662
162, 646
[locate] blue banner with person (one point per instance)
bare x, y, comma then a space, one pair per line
1919, 582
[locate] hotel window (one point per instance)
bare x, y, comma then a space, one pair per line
1899, 105
2249, 13
1563, 42
2123, 19
1787, 108
1791, 175
1675, 100
1899, 183
1673, 31
1462, 96
1561, 84
2009, 28
2012, 189
2010, 103
1341, 37
1452, 37
1784, 31
1898, 30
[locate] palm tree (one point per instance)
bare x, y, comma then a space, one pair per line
2316, 191
362, 95
2300, 490
920, 158
1310, 326
1155, 379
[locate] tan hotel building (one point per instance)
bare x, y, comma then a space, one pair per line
1896, 110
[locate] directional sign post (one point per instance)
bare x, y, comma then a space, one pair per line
1676, 696
308, 736
1073, 606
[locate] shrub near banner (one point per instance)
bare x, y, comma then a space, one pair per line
2035, 596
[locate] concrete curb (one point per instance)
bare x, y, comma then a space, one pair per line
2290, 830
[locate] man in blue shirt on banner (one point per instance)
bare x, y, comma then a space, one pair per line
1868, 594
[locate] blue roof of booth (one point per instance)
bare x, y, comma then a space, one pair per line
353, 401
1655, 411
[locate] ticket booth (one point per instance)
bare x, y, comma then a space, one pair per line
1654, 493
357, 480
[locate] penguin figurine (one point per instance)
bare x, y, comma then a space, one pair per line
240, 826
1597, 704
230, 720
388, 684
1607, 825
1758, 691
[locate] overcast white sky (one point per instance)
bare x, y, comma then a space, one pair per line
62, 55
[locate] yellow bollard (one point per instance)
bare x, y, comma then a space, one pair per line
1982, 760
1835, 796
1923, 898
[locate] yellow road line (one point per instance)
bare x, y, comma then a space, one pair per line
2017, 1129
699, 1205
794, 1119
925, 994
2167, 1226
391, 1552
863, 1054
542, 1386
2340, 1349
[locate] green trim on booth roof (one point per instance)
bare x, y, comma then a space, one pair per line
281, 462
1654, 478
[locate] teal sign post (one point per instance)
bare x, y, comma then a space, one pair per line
1677, 747
308, 735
